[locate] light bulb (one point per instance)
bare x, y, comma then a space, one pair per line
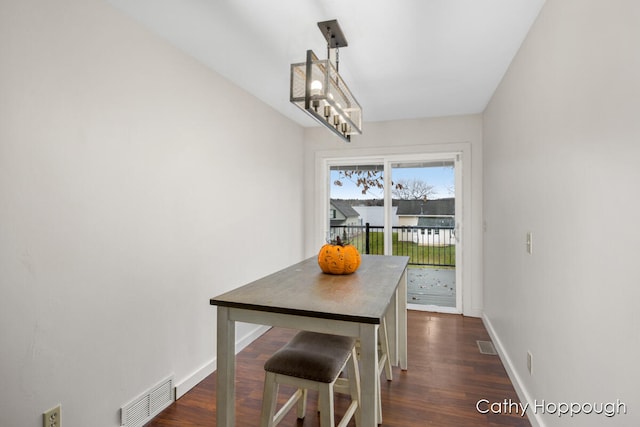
316, 87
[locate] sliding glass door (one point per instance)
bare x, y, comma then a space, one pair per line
404, 206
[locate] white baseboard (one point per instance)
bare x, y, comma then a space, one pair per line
432, 308
193, 379
518, 385
250, 337
445, 310
208, 368
473, 312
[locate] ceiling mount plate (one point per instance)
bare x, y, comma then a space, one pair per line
333, 33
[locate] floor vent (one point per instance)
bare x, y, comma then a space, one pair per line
148, 405
486, 347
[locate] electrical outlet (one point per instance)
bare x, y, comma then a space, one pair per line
530, 362
51, 418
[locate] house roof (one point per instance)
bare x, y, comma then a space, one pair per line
345, 208
437, 207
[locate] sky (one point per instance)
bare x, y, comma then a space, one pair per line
441, 177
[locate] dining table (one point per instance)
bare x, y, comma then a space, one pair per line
302, 297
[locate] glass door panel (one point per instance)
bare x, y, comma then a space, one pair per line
356, 206
424, 201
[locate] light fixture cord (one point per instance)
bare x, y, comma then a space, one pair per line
329, 51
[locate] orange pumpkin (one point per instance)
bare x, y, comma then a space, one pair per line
338, 258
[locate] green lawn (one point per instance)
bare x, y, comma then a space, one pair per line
426, 255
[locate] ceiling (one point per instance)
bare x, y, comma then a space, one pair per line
406, 58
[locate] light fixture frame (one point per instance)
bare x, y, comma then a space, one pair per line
344, 116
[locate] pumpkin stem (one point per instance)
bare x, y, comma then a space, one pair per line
338, 241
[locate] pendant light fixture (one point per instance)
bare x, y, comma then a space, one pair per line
318, 89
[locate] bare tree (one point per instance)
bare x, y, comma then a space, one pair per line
365, 179
412, 189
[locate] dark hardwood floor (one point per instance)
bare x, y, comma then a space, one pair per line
447, 376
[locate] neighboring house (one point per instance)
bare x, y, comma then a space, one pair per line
341, 213
374, 215
427, 222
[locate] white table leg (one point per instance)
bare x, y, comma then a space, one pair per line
369, 374
402, 321
391, 316
226, 370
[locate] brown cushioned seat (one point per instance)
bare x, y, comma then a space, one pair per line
312, 361
312, 356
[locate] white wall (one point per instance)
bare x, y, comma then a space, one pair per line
561, 149
421, 136
127, 171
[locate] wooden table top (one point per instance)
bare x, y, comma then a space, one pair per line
303, 289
